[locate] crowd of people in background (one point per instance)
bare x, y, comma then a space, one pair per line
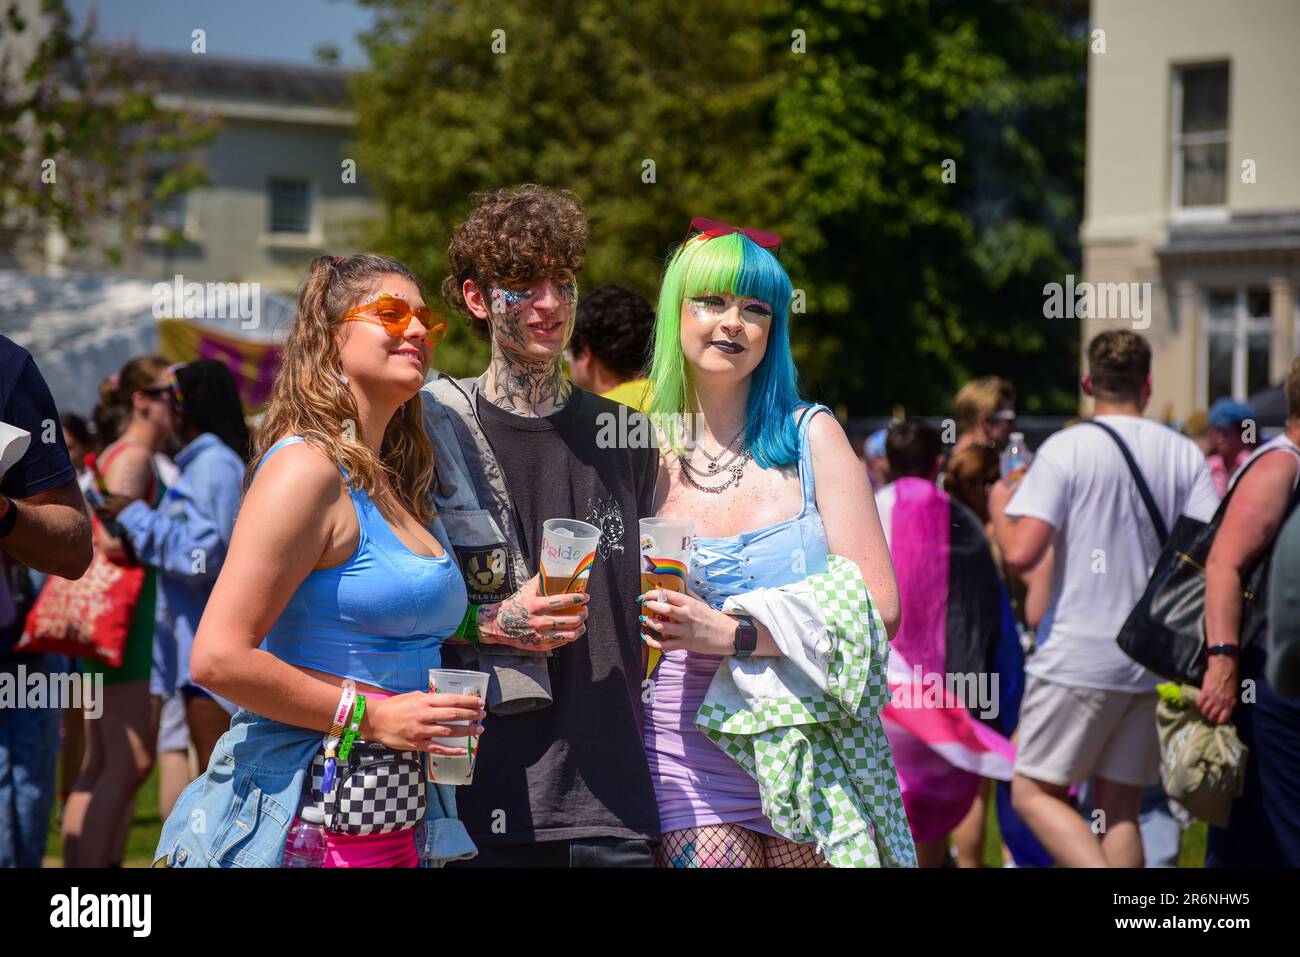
281, 572
172, 518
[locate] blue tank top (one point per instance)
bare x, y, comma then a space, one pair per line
380, 617
770, 556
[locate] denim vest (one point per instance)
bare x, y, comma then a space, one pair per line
238, 813
471, 497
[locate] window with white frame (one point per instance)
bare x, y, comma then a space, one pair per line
1200, 136
289, 206
1239, 338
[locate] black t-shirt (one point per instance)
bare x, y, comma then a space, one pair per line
25, 402
575, 769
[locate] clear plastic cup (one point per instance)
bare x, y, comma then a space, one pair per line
665, 560
443, 769
568, 552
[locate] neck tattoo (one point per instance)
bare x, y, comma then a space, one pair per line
533, 389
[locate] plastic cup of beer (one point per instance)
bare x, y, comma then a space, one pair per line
443, 769
568, 552
665, 553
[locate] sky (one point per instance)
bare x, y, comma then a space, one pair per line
284, 30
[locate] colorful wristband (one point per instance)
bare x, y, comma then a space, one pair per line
468, 629
353, 729
346, 700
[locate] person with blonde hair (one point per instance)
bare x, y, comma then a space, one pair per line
985, 410
335, 597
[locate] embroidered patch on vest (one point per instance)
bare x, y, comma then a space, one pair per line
487, 574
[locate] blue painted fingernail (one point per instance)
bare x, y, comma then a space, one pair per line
643, 618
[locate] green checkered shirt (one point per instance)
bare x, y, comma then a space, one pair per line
822, 762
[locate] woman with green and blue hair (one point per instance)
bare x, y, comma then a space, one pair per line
773, 488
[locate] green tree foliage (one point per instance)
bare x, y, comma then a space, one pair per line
835, 136
79, 135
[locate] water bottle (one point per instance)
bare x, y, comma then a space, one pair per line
306, 844
1015, 457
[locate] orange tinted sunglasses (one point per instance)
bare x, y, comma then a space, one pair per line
394, 315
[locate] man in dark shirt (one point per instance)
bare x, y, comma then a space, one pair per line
565, 784
43, 525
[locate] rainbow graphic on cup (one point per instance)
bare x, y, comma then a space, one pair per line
665, 563
659, 567
575, 582
568, 554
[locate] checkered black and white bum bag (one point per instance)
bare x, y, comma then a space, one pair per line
376, 791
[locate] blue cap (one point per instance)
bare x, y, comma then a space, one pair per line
876, 444
1228, 413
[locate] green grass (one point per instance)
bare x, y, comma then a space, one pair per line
1191, 853
147, 826
140, 842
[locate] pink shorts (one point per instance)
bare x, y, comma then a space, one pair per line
394, 849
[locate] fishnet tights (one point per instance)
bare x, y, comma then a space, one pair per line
730, 845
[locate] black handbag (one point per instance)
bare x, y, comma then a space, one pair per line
1165, 631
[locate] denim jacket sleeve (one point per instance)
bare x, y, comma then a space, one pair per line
189, 531
238, 813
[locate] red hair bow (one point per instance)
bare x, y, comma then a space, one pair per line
713, 228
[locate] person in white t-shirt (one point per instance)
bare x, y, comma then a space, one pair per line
1089, 709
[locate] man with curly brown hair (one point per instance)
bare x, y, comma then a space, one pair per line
562, 778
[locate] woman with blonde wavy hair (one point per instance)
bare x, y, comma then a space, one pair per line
336, 595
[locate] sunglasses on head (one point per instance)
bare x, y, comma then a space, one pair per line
394, 314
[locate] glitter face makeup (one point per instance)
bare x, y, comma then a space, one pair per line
707, 308
512, 298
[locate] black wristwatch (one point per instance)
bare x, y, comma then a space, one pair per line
1231, 650
746, 636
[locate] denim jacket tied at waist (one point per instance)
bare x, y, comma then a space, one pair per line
238, 813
